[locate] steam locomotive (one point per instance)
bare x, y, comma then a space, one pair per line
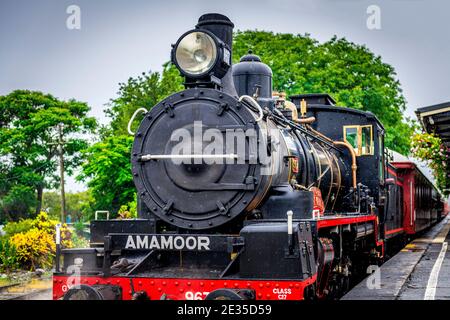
246, 194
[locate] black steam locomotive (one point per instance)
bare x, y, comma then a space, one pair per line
242, 193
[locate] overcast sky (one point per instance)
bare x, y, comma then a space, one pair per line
119, 39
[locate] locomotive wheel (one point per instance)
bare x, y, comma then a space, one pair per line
228, 294
85, 292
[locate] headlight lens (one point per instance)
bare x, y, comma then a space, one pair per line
196, 53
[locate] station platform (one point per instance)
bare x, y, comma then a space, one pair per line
420, 271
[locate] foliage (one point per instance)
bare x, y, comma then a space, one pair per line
42, 222
132, 207
36, 246
79, 227
429, 148
107, 170
143, 91
128, 211
66, 236
19, 202
79, 241
78, 205
11, 228
29, 124
351, 73
8, 255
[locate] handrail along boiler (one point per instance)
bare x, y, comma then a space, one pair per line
292, 209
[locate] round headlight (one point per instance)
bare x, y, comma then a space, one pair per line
196, 53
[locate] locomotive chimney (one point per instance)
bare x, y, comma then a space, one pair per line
218, 24
222, 27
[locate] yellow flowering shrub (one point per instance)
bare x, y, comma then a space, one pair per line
66, 237
36, 247
8, 256
44, 223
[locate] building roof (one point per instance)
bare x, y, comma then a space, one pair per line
436, 119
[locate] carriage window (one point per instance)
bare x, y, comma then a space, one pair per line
360, 138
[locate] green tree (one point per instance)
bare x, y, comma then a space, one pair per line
351, 73
78, 205
19, 200
107, 170
144, 91
28, 149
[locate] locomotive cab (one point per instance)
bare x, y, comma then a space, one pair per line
362, 130
365, 133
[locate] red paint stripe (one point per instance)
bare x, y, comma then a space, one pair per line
177, 288
392, 172
394, 231
340, 220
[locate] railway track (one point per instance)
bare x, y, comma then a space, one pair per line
35, 289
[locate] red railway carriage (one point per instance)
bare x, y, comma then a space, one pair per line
446, 208
394, 217
421, 200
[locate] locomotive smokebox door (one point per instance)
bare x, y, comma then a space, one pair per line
194, 193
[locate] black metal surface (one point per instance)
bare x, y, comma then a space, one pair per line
218, 24
395, 202
323, 99
171, 191
101, 228
283, 198
266, 253
252, 76
91, 259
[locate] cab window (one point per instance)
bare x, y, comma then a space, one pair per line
351, 136
360, 138
381, 158
366, 140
